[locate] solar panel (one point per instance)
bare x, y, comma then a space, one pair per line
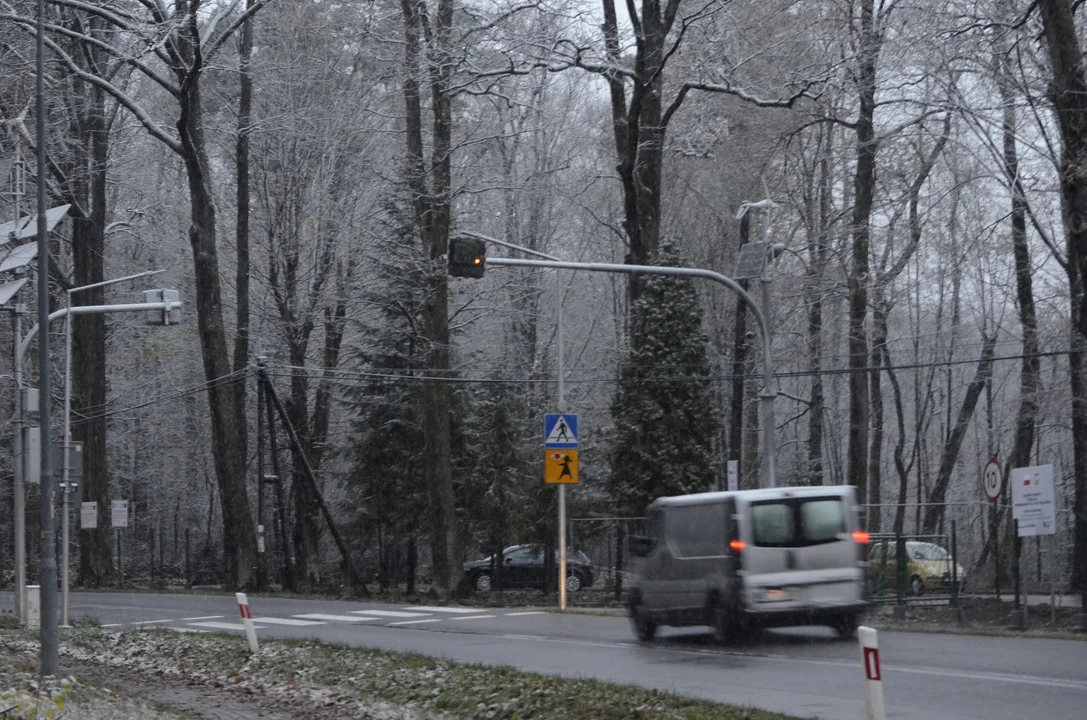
27, 226
8, 290
751, 262
20, 256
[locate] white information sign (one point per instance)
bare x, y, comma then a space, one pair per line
733, 475
119, 514
88, 515
1032, 500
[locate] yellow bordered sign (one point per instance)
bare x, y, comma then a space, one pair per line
560, 467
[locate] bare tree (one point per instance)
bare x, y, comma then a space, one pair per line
183, 40
1068, 93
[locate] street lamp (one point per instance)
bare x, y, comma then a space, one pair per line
47, 563
67, 466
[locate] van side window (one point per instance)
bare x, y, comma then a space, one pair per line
698, 530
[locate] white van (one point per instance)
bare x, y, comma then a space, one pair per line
754, 558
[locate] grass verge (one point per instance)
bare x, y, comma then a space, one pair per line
310, 676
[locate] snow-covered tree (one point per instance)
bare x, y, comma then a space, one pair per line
663, 407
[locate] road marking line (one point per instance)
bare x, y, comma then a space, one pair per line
473, 617
434, 608
151, 622
203, 617
225, 626
519, 614
415, 622
333, 618
390, 613
112, 625
186, 630
286, 621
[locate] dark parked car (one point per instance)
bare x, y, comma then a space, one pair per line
523, 567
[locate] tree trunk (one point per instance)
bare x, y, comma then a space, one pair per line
817, 259
431, 203
89, 353
228, 441
241, 235
934, 511
875, 456
864, 182
1068, 92
306, 532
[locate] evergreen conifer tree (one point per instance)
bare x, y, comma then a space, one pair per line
662, 409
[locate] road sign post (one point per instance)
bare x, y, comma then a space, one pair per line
992, 485
560, 468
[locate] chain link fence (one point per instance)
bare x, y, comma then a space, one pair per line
984, 535
606, 542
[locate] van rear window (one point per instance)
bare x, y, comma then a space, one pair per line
796, 522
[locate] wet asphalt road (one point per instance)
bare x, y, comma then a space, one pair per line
804, 672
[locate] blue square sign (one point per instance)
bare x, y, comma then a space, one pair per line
560, 431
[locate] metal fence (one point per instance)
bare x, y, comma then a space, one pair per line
1043, 559
599, 538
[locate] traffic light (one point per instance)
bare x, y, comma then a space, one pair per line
467, 257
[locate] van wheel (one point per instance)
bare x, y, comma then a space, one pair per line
727, 628
644, 628
917, 586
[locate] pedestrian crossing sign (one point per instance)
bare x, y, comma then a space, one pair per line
560, 467
560, 431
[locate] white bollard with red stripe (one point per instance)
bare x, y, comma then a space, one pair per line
247, 621
873, 677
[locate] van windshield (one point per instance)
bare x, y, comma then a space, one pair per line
796, 522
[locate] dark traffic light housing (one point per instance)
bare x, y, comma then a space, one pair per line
467, 257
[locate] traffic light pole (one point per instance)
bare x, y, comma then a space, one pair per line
768, 476
560, 293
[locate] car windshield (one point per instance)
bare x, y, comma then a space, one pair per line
928, 551
793, 522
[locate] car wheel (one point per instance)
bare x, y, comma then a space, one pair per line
573, 582
727, 627
917, 587
846, 627
482, 583
644, 628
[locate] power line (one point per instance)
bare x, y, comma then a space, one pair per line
344, 375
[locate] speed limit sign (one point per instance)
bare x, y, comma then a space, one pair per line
992, 480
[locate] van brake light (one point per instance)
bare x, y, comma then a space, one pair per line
737, 545
862, 537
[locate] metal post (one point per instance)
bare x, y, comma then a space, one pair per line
900, 578
19, 465
47, 566
262, 560
120, 560
767, 473
188, 565
562, 487
66, 463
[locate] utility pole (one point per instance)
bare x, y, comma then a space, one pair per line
47, 568
262, 558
